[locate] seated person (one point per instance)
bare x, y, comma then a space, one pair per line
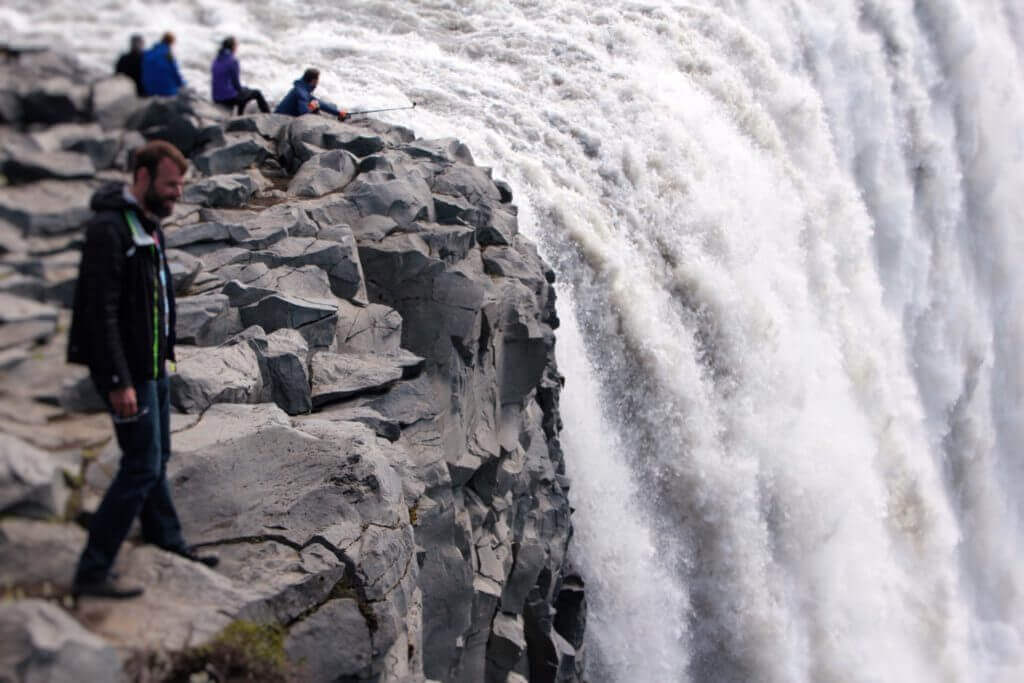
160, 75
227, 86
130, 64
300, 100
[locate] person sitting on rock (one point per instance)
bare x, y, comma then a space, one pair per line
300, 100
122, 328
227, 87
160, 75
130, 63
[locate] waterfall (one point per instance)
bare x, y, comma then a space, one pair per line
787, 236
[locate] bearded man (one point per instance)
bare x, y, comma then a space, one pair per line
123, 330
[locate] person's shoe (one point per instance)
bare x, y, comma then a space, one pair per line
210, 561
105, 588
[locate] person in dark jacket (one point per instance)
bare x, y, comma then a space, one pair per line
300, 100
226, 80
130, 63
122, 328
160, 75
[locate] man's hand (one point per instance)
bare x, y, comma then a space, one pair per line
314, 105
342, 115
124, 402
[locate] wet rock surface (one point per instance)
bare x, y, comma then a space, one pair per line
366, 399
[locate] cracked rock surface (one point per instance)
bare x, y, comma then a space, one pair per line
366, 426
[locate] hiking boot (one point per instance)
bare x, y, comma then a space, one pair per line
104, 588
210, 561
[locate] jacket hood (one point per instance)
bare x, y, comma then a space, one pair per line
303, 85
110, 198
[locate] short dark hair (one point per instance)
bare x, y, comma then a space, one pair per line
311, 75
150, 154
228, 43
136, 40
168, 38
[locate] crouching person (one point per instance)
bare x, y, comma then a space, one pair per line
123, 330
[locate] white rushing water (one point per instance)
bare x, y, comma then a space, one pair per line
787, 235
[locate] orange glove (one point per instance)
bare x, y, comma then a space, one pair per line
314, 105
342, 115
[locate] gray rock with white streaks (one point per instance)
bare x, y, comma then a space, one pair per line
31, 480
224, 374
323, 173
41, 642
338, 376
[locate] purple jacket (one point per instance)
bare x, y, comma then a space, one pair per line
225, 77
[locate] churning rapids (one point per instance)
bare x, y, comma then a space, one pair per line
788, 236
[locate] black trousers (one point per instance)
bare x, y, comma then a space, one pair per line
244, 96
140, 488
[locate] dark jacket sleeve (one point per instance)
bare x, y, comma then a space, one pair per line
102, 267
328, 107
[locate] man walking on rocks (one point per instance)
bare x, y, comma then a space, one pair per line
123, 330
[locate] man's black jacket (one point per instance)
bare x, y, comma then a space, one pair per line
130, 64
112, 325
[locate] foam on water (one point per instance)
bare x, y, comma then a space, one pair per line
788, 237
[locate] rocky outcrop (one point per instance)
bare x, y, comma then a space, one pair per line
366, 422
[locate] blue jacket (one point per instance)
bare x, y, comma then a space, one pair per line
225, 77
160, 72
296, 102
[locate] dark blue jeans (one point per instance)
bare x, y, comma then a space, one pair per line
139, 489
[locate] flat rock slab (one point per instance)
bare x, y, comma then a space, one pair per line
253, 282
197, 233
206, 320
339, 259
26, 166
41, 642
338, 376
267, 125
185, 603
275, 482
47, 207
277, 311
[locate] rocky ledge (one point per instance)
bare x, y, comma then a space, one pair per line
366, 426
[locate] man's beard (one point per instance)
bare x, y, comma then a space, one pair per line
157, 205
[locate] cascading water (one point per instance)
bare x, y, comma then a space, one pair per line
787, 237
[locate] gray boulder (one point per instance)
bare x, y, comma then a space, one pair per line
252, 282
405, 199
368, 329
323, 173
267, 125
41, 642
88, 139
47, 207
228, 191
25, 322
284, 355
185, 268
206, 320
332, 644
239, 151
277, 311
306, 136
470, 182
11, 239
114, 100
507, 644
339, 259
338, 376
34, 552
197, 233
31, 480
224, 374
444, 150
